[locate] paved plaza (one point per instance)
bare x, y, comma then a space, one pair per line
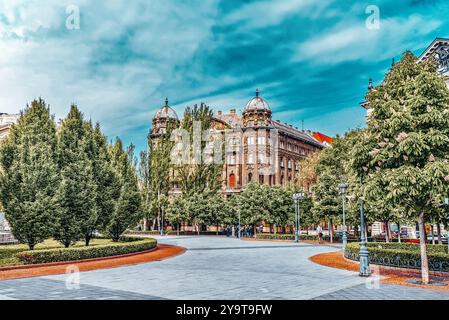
218, 268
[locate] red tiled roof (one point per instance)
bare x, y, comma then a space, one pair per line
323, 138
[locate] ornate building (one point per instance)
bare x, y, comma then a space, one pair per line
6, 121
257, 148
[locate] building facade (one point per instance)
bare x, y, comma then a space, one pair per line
257, 148
6, 121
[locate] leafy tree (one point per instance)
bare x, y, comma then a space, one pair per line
105, 179
160, 170
127, 210
177, 212
29, 175
145, 185
252, 204
77, 213
403, 154
200, 174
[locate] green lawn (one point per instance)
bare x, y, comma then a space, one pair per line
7, 253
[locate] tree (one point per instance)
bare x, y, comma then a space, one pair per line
306, 177
29, 175
144, 175
105, 179
177, 212
403, 154
199, 174
127, 209
77, 210
252, 204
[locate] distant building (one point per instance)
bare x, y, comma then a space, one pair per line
322, 138
258, 148
439, 50
6, 121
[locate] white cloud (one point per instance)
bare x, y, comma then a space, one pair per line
268, 13
349, 41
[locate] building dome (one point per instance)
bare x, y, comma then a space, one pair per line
166, 112
257, 104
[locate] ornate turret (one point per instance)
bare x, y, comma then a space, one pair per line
257, 112
161, 119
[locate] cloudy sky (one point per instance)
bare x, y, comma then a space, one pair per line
310, 59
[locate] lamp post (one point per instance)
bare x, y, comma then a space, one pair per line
296, 198
343, 187
162, 220
363, 254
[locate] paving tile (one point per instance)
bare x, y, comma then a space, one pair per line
217, 268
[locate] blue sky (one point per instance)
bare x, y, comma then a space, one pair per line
310, 59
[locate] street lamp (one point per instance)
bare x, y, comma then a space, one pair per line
296, 198
343, 187
162, 220
363, 254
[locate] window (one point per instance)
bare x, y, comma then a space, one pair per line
250, 177
250, 158
261, 140
289, 164
261, 179
251, 141
232, 181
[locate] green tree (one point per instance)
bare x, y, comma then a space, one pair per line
177, 212
127, 209
403, 154
77, 213
252, 204
105, 179
29, 175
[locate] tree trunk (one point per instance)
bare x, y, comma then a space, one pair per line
423, 248
399, 232
275, 228
217, 230
87, 239
433, 234
331, 231
255, 231
439, 233
387, 231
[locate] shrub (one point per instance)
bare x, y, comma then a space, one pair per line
401, 255
131, 245
282, 236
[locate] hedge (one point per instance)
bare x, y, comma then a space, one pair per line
80, 253
402, 255
282, 236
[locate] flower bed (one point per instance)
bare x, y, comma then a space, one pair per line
54, 253
402, 255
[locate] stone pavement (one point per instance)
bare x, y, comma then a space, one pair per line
218, 268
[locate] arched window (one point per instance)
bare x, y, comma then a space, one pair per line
250, 177
232, 181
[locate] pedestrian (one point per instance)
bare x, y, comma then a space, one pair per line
319, 232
